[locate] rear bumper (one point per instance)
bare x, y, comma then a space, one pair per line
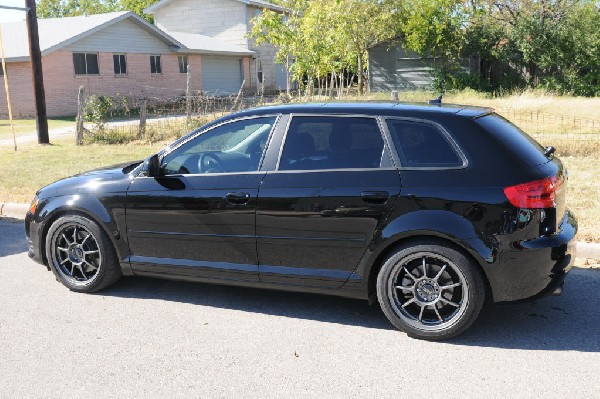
535, 268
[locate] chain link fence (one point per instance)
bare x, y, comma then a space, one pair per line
568, 134
118, 120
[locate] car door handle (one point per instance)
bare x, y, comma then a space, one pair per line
238, 198
375, 197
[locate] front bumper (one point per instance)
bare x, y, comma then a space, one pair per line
33, 232
535, 268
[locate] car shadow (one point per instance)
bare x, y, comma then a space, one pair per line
565, 323
12, 237
570, 322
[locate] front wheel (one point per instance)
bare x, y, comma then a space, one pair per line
430, 291
81, 255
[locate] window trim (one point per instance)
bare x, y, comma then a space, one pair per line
166, 151
85, 53
159, 63
440, 128
386, 146
125, 58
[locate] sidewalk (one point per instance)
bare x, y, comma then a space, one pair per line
585, 250
32, 136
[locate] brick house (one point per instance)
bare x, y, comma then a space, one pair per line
227, 21
115, 53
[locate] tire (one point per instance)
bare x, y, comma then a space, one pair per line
81, 254
430, 291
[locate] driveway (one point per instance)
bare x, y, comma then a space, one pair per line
150, 338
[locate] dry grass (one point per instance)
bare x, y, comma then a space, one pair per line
34, 166
583, 195
582, 107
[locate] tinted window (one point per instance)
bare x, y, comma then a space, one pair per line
85, 63
422, 145
91, 62
155, 66
183, 63
516, 140
314, 142
119, 63
233, 147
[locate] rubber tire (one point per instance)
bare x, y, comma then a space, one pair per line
476, 293
110, 270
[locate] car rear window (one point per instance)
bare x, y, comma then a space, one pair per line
515, 139
422, 145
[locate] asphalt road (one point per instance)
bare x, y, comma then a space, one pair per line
153, 338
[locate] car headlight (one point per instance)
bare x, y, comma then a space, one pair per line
34, 205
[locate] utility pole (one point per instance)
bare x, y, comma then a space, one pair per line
41, 120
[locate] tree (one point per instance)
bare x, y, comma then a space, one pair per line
68, 8
326, 36
138, 7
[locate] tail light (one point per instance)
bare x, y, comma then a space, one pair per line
535, 194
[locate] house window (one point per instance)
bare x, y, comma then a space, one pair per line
86, 63
259, 70
155, 64
120, 64
2, 70
183, 63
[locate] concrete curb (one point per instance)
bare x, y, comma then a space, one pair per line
18, 211
12, 210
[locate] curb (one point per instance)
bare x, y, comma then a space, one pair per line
18, 211
588, 250
12, 210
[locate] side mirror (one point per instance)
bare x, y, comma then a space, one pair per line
151, 166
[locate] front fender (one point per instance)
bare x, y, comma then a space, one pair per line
107, 211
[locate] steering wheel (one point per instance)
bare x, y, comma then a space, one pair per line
210, 162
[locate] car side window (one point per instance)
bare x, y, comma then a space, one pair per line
422, 145
233, 147
329, 142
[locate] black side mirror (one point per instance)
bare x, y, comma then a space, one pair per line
151, 166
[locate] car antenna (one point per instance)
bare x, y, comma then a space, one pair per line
437, 101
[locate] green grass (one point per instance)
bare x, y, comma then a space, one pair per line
24, 126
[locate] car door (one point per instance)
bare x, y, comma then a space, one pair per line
332, 188
197, 219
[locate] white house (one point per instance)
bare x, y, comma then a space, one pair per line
226, 21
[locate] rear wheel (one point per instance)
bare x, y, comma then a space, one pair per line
81, 255
430, 291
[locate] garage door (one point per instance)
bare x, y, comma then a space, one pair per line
221, 75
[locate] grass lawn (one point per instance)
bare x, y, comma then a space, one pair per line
23, 126
34, 166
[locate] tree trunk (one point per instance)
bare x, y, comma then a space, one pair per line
360, 75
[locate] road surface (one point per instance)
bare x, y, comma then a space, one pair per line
154, 338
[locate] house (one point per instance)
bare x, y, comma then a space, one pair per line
115, 53
227, 21
392, 67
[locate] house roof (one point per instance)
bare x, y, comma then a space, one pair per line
256, 3
56, 33
196, 43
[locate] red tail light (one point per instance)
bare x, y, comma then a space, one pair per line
535, 194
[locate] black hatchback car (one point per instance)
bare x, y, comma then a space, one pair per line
427, 209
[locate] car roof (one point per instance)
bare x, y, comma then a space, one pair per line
370, 107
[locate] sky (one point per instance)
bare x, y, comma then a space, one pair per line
10, 15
